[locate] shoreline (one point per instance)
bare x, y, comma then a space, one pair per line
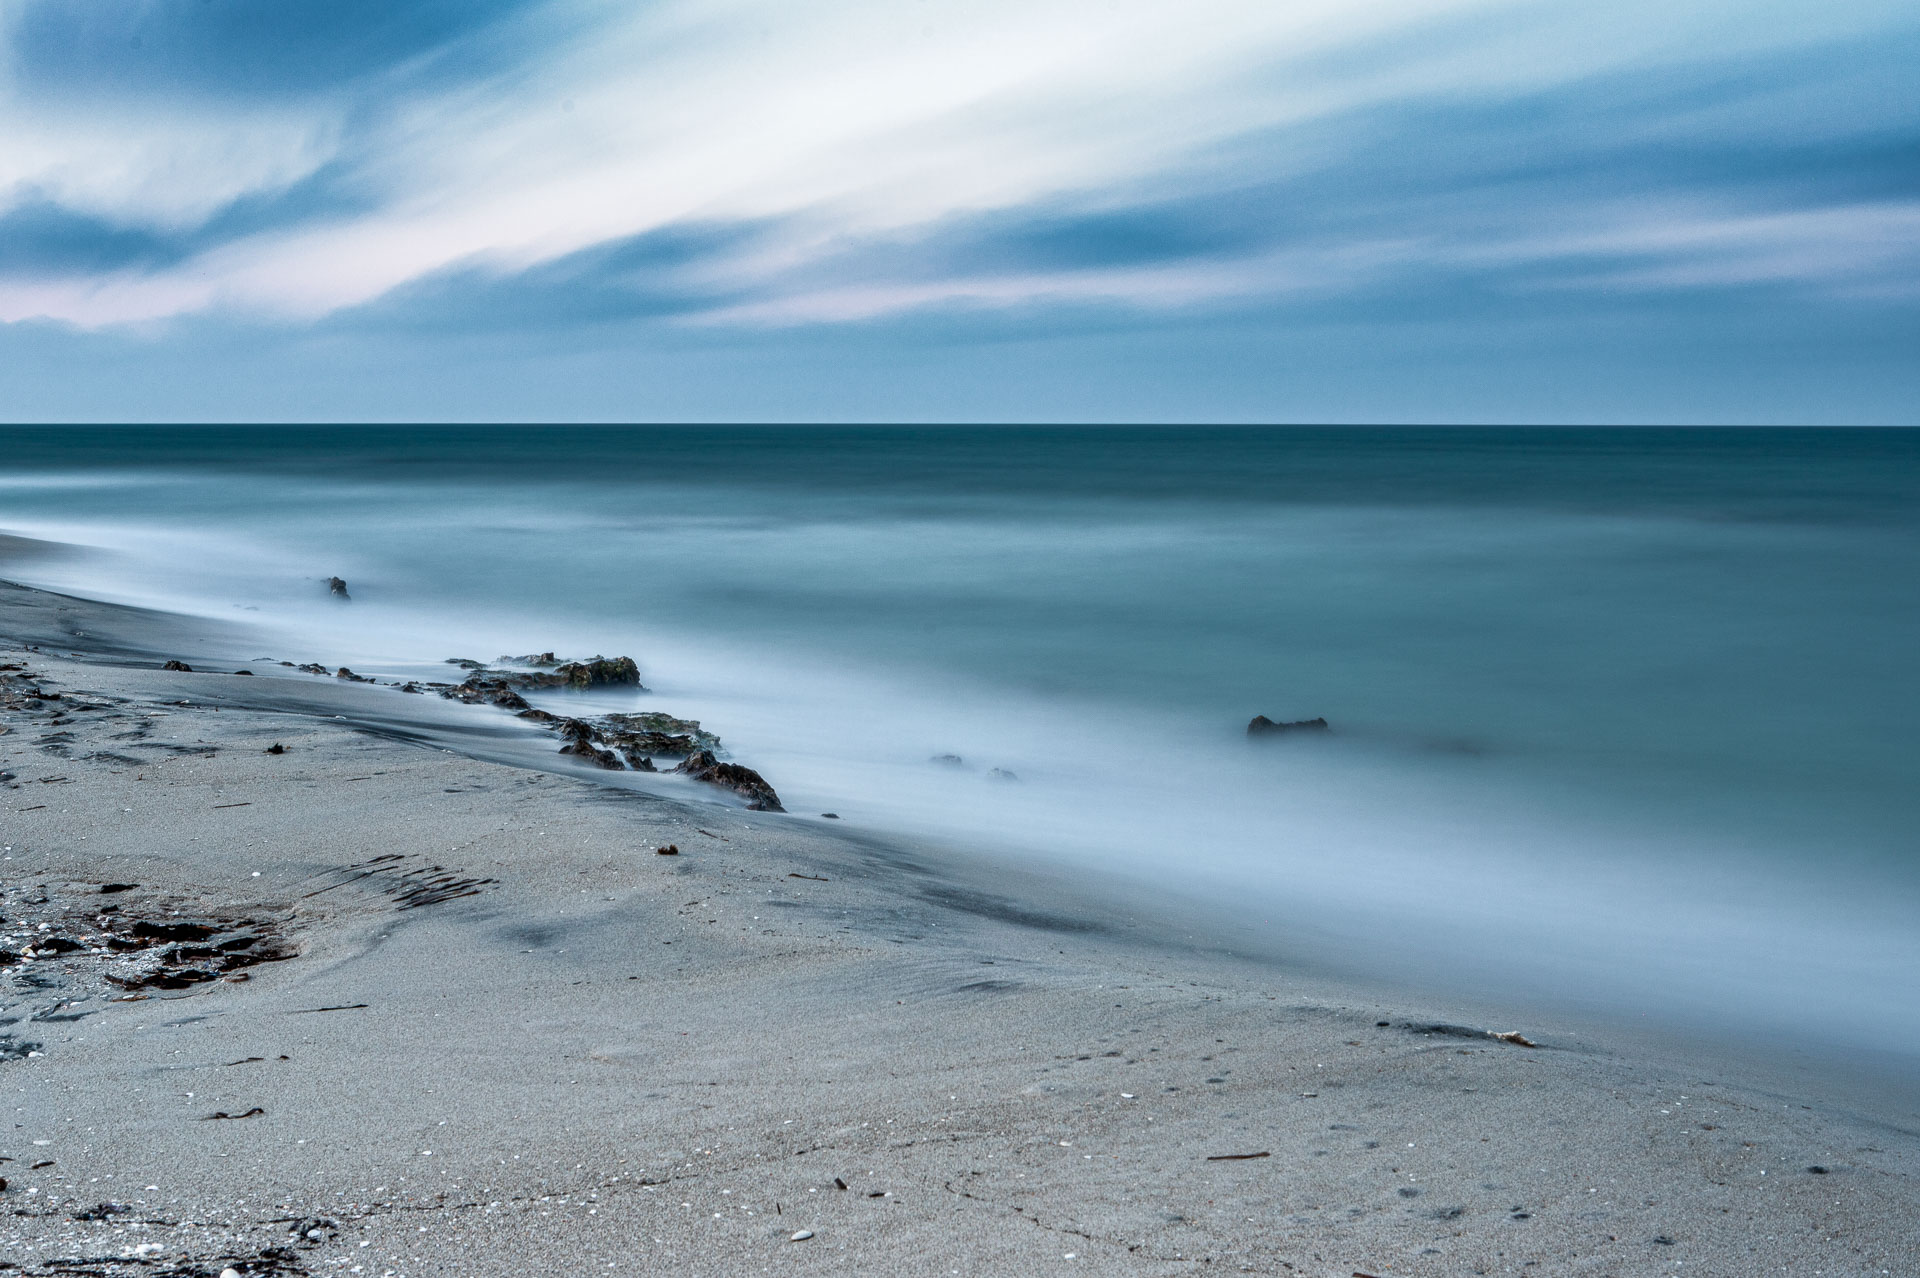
1024, 1069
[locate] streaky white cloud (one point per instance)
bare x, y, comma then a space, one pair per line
850, 123
169, 169
165, 164
1870, 249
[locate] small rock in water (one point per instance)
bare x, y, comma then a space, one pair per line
181, 666
831, 816
243, 672
948, 760
337, 588
1001, 774
1261, 726
801, 1235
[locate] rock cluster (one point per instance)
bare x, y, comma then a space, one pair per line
161, 951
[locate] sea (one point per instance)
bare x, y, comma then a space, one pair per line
1624, 720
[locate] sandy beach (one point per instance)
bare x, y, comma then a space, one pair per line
311, 977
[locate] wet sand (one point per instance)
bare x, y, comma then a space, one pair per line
492, 1031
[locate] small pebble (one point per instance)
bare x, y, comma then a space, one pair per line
801, 1235
229, 1273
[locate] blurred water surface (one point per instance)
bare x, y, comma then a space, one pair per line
1621, 716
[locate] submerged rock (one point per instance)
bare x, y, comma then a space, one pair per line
1265, 727
350, 676
595, 672
337, 588
654, 733
745, 782
178, 665
484, 690
538, 659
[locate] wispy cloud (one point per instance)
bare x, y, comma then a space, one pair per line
874, 158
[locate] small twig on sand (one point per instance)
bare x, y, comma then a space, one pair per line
344, 1007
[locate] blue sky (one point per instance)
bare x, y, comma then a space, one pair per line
1296, 210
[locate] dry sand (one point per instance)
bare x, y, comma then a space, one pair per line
514, 1040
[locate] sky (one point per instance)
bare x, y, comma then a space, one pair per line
935, 210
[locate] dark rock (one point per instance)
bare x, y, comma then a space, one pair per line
595, 672
276, 748
181, 666
831, 816
466, 663
102, 1211
243, 672
337, 588
540, 716
536, 659
948, 760
486, 690
56, 945
640, 762
110, 889
601, 672
350, 676
1265, 727
1001, 774
591, 753
313, 667
173, 931
745, 782
654, 733
672, 849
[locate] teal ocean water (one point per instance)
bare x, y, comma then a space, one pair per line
1626, 717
